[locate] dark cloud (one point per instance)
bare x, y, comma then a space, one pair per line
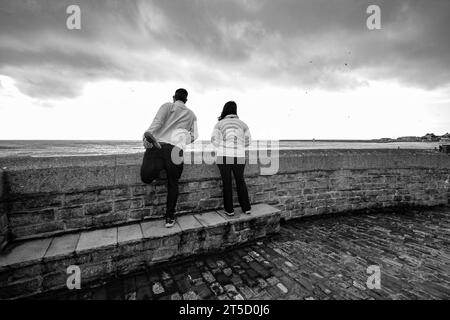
314, 44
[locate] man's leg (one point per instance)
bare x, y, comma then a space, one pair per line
238, 171
174, 172
152, 164
227, 188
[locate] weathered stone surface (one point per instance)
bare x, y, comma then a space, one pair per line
103, 192
24, 253
157, 229
98, 208
37, 217
98, 238
189, 223
130, 233
327, 258
123, 250
263, 209
64, 179
62, 246
241, 219
209, 219
3, 214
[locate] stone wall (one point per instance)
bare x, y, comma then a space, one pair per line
3, 213
57, 195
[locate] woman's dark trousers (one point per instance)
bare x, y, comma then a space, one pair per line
235, 166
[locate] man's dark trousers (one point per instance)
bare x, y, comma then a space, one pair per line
156, 160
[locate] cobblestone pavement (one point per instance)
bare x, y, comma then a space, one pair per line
319, 258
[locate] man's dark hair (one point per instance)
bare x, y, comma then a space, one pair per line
181, 94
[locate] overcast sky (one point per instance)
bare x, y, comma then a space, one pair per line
297, 69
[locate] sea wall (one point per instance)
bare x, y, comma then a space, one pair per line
58, 195
3, 213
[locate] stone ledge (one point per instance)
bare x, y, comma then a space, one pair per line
4, 228
37, 266
74, 174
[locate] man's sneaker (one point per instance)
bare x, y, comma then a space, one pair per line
248, 212
170, 222
230, 214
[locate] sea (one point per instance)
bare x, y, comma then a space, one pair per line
66, 148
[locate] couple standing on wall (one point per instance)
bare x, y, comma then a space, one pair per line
175, 126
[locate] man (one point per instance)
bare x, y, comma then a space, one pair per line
173, 127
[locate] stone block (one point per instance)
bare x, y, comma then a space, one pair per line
157, 229
98, 238
68, 213
130, 233
78, 198
25, 253
189, 223
62, 246
190, 242
109, 219
129, 265
98, 208
31, 218
55, 280
78, 224
211, 219
18, 273
125, 205
94, 272
35, 202
164, 253
21, 289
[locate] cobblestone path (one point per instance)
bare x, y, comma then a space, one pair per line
319, 258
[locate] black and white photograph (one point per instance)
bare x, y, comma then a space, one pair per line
217, 157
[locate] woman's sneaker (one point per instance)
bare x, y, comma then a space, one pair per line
248, 212
230, 214
170, 222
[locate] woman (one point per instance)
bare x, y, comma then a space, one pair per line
230, 137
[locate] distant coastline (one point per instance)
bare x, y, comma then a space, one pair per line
429, 137
70, 148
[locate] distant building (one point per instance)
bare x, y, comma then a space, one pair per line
430, 137
409, 139
386, 140
445, 138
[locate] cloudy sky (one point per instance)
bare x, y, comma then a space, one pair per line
298, 69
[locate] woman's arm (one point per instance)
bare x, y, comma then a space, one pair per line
247, 136
216, 136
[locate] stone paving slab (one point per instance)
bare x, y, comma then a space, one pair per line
238, 215
319, 258
96, 239
210, 219
26, 252
63, 245
263, 209
130, 233
258, 210
157, 229
189, 222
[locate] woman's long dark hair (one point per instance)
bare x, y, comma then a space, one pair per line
229, 108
